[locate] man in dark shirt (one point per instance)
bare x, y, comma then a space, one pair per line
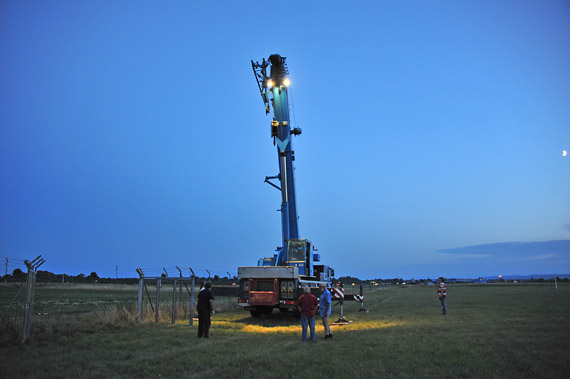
205, 308
307, 305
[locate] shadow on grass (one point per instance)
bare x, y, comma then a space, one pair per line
269, 321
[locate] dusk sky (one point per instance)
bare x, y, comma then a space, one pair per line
132, 134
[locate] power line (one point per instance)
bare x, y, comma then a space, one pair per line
13, 259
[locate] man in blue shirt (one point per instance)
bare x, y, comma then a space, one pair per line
325, 309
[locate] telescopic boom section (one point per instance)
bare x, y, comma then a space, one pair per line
273, 88
284, 148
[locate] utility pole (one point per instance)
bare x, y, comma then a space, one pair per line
116, 272
6, 266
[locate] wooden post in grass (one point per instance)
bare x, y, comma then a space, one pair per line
140, 295
27, 306
158, 284
30, 292
555, 282
174, 302
192, 297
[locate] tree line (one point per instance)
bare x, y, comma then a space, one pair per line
49, 277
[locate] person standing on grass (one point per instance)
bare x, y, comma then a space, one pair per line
442, 294
307, 305
205, 309
325, 309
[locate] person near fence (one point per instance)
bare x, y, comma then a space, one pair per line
325, 309
205, 309
307, 305
442, 294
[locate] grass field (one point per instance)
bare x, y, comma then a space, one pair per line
490, 331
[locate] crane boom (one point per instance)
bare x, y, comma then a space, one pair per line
276, 282
274, 91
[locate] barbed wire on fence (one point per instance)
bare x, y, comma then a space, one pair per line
172, 271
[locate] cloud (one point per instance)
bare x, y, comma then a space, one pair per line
538, 250
463, 255
567, 226
543, 256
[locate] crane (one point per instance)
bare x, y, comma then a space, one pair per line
277, 281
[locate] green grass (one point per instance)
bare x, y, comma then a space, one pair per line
491, 331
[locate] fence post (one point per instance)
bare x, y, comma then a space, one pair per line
27, 305
192, 298
140, 299
158, 285
174, 302
180, 294
30, 292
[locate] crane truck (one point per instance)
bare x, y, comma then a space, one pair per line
278, 281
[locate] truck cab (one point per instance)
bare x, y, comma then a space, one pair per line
296, 253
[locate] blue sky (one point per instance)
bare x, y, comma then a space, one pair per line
133, 134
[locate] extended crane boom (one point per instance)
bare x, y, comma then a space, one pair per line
273, 88
276, 281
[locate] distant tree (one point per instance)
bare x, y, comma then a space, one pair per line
216, 278
18, 275
93, 275
46, 276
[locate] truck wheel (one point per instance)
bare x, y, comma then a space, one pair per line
297, 314
283, 310
267, 310
255, 313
